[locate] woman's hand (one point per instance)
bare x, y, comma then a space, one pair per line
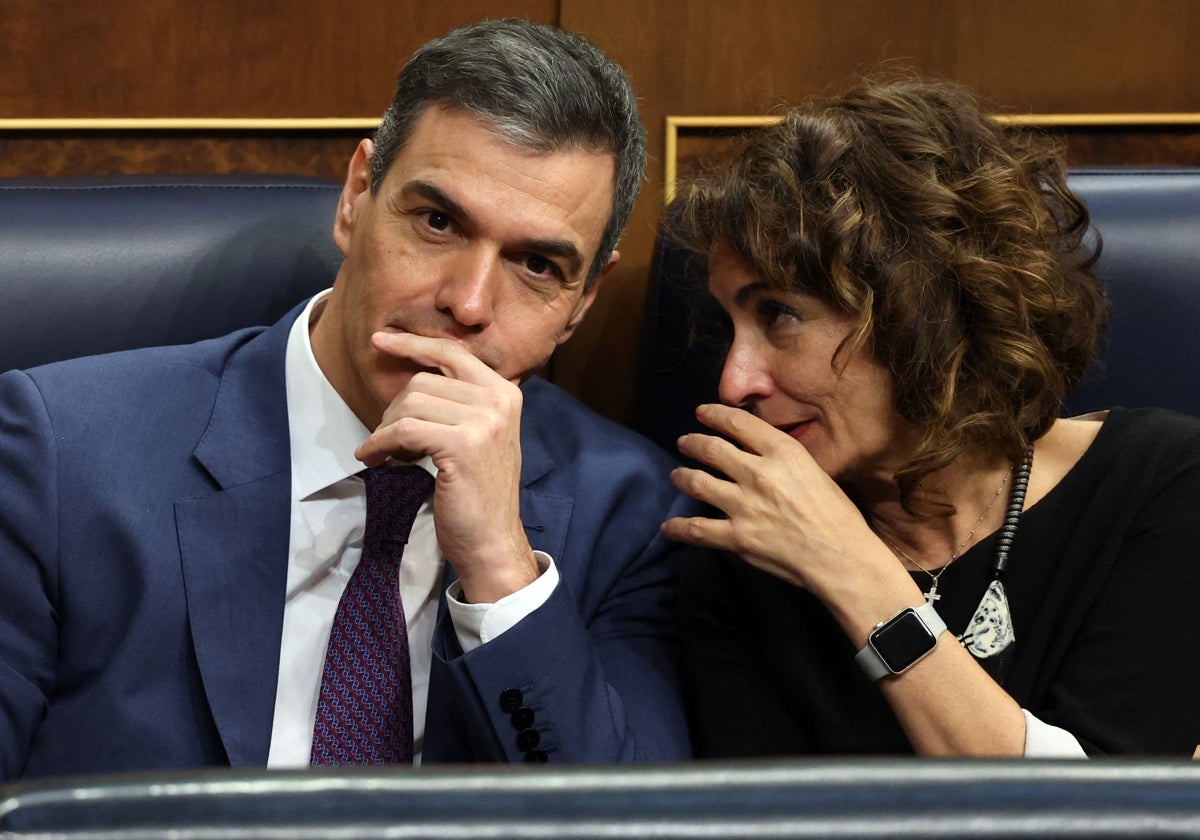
787, 517
783, 513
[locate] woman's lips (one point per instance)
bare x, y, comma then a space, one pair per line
796, 430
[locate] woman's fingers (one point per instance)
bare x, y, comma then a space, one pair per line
700, 531
704, 487
753, 433
714, 452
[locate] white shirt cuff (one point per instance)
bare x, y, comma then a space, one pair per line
478, 624
1045, 741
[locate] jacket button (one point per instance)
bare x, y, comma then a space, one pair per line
536, 757
522, 718
511, 699
527, 739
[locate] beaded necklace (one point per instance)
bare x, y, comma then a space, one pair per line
990, 630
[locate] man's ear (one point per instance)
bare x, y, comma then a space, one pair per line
358, 182
587, 299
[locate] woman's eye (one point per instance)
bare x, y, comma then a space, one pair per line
776, 315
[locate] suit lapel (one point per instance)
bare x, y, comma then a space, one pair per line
234, 546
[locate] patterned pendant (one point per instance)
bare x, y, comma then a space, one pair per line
990, 629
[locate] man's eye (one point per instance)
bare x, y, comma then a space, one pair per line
438, 221
537, 264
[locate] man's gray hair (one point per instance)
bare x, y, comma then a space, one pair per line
540, 87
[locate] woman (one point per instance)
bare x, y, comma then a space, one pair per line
910, 293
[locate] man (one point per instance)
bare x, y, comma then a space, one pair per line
179, 525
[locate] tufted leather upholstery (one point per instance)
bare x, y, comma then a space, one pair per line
99, 264
1149, 219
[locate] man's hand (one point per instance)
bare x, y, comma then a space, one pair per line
467, 418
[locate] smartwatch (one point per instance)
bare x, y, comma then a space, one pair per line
897, 644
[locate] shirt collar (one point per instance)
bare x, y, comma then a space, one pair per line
323, 431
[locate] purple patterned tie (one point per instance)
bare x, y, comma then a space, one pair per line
364, 714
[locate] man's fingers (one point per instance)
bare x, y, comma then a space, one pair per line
393, 439
457, 401
407, 438
442, 354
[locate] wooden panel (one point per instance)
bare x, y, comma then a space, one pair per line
220, 58
1170, 146
32, 154
312, 58
697, 144
708, 57
716, 57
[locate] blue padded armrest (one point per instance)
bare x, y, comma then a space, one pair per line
101, 264
847, 798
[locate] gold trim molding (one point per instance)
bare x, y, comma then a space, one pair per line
189, 124
678, 124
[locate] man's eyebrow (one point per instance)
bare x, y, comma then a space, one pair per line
562, 249
437, 196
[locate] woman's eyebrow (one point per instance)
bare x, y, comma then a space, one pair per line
750, 290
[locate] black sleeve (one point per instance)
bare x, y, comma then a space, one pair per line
735, 707
1130, 681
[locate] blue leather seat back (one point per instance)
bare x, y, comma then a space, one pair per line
100, 264
1149, 219
94, 265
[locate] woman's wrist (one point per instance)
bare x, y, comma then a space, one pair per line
859, 602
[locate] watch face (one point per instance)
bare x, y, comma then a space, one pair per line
902, 640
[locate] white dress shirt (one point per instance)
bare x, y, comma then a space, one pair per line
328, 509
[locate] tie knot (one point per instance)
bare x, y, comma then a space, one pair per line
394, 495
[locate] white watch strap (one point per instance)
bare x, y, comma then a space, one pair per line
872, 663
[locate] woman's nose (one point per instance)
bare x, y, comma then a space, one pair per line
744, 378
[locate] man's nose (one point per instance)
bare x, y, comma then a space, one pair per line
468, 289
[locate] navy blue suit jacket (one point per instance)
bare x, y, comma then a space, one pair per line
144, 522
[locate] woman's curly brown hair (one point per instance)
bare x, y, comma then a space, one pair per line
954, 239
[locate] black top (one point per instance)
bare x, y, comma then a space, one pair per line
1103, 583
